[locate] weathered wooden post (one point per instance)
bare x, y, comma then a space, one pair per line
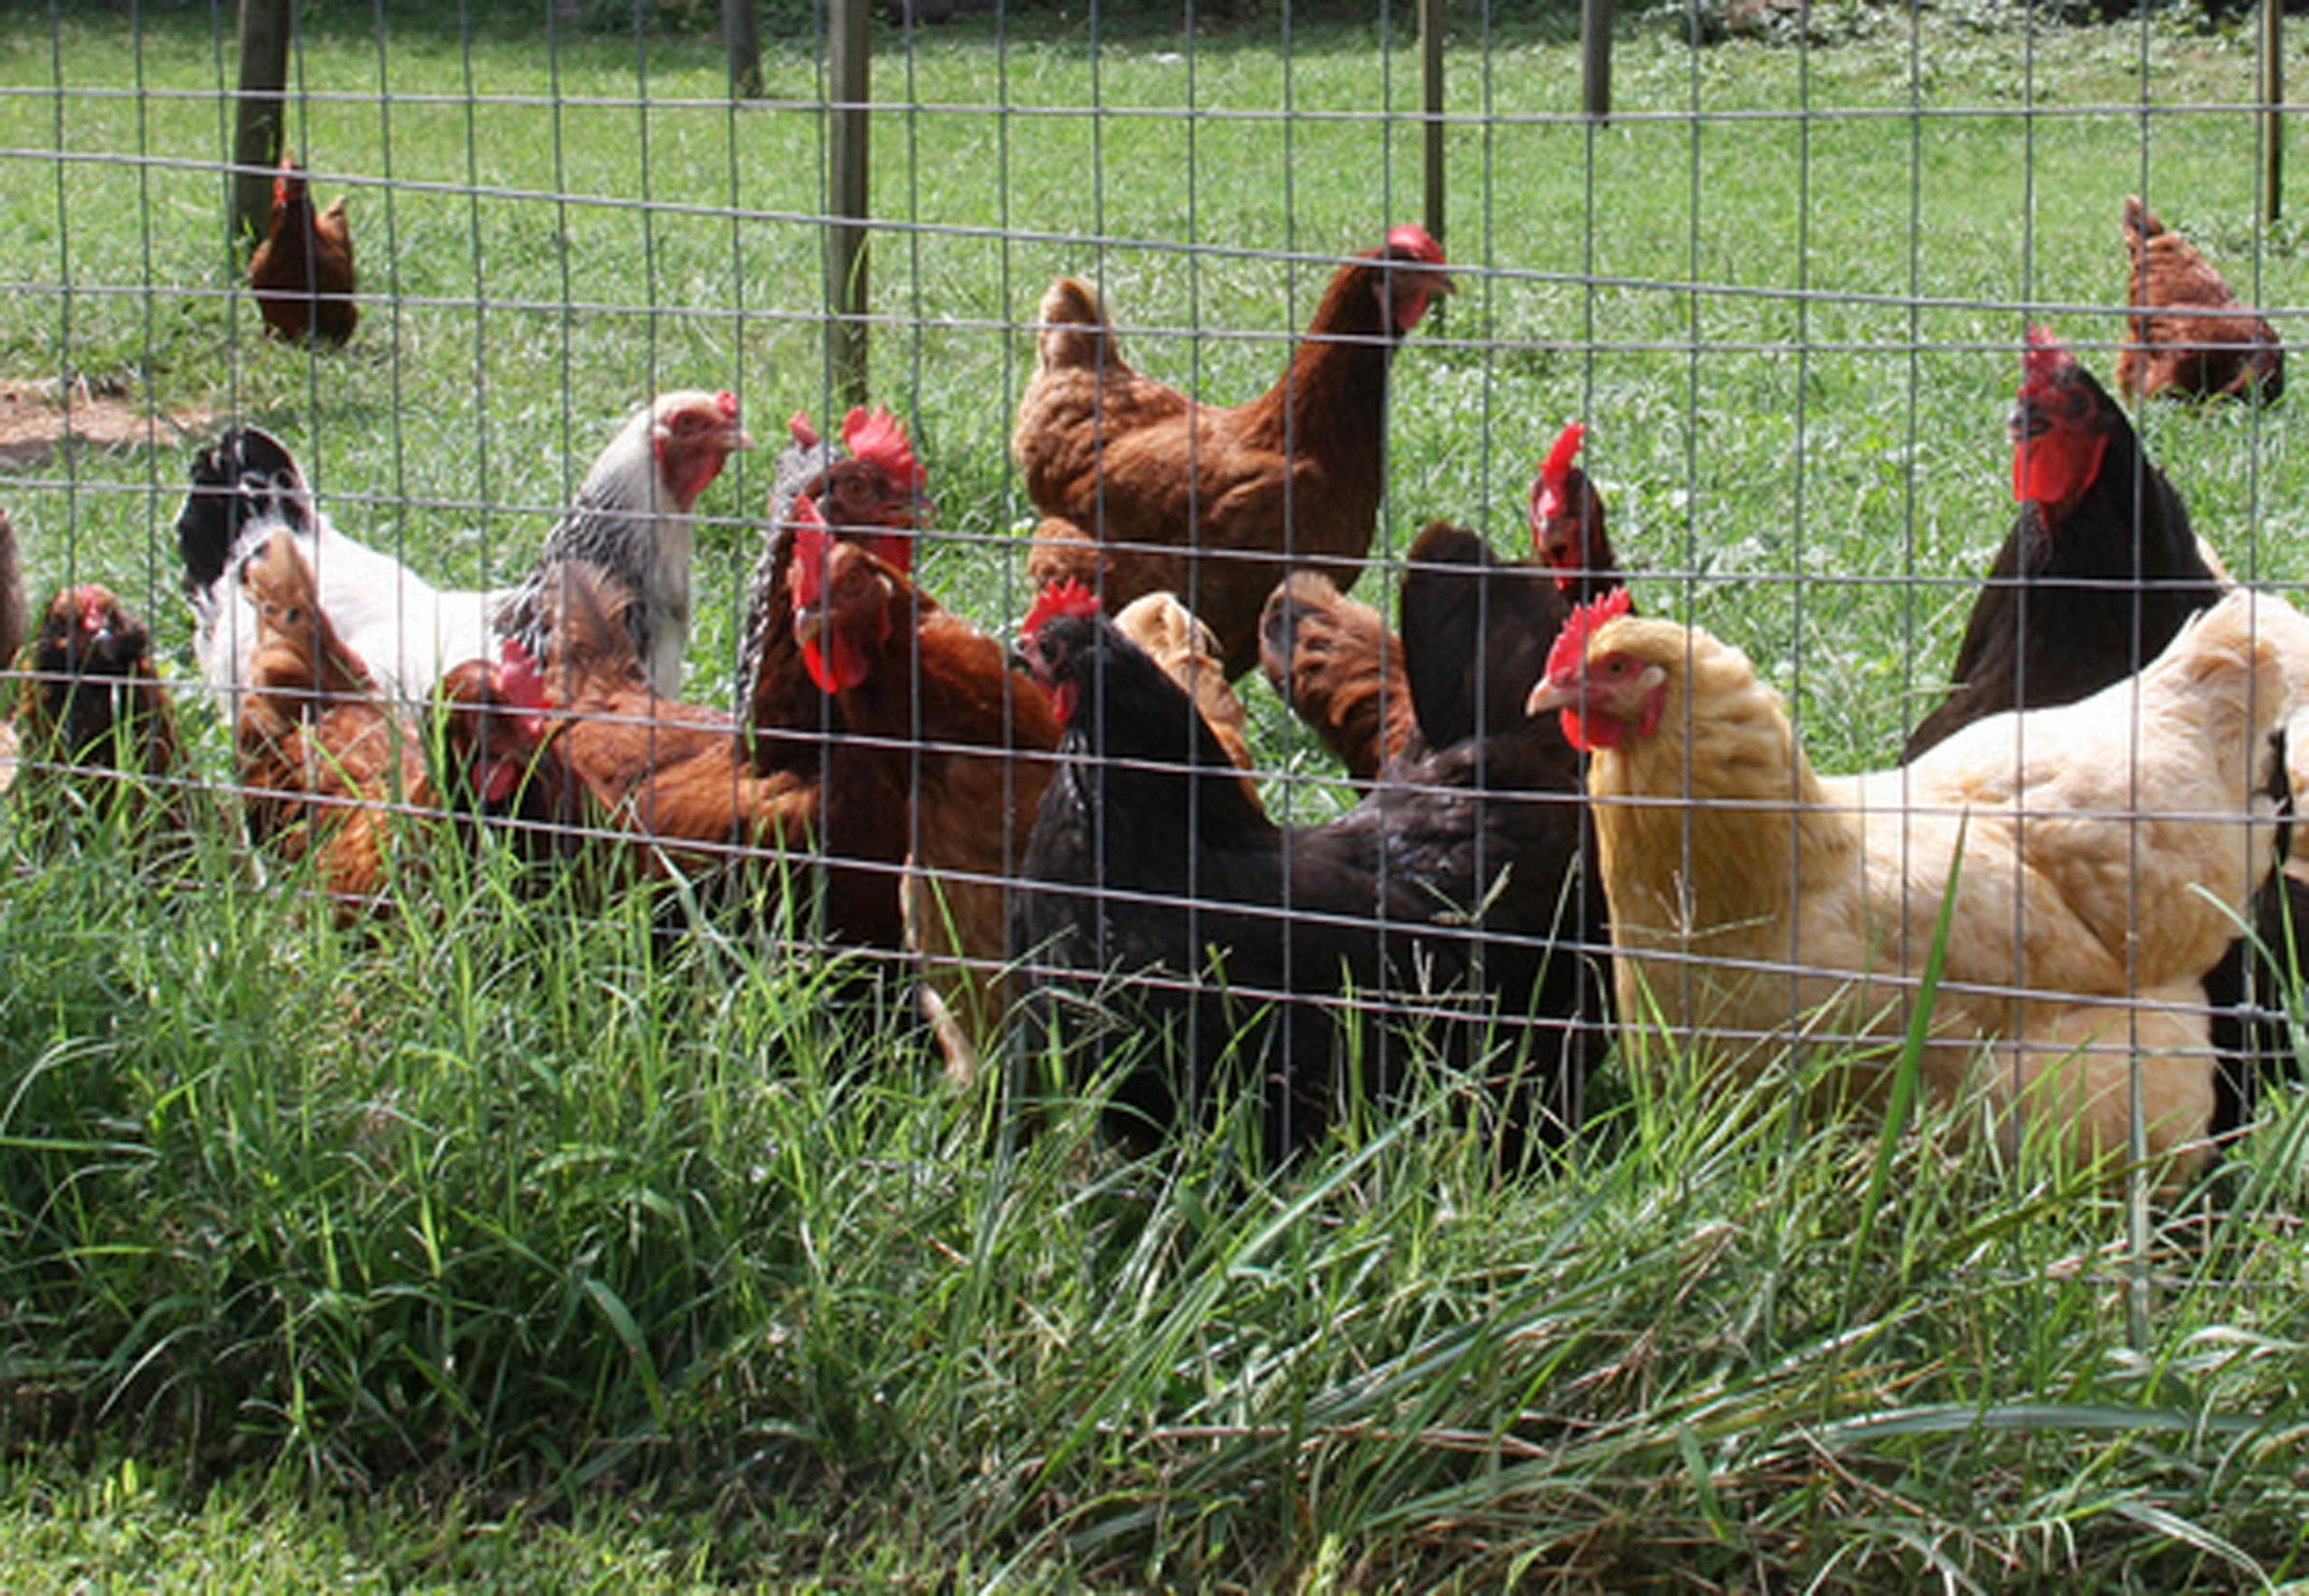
1430, 53
741, 34
1595, 56
848, 196
2272, 110
257, 115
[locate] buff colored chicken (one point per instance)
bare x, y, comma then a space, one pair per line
2106, 847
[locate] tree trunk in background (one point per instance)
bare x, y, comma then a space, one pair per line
265, 27
849, 199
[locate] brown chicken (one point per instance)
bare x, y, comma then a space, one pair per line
1373, 698
495, 773
2190, 334
302, 273
1143, 489
96, 732
673, 778
328, 770
976, 737
12, 594
871, 490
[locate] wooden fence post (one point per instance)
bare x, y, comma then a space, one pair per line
742, 34
265, 27
848, 196
2272, 110
1430, 52
1595, 56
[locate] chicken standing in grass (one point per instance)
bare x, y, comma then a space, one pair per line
96, 730
976, 736
328, 769
302, 271
2106, 846
1144, 490
634, 517
1164, 914
2189, 333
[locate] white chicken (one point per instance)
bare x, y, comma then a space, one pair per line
633, 518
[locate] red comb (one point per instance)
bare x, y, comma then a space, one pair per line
1412, 240
1571, 643
2044, 361
880, 441
93, 602
727, 403
803, 433
811, 545
1060, 598
1556, 466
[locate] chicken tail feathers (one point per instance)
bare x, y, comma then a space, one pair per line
2140, 223
249, 477
1075, 331
585, 617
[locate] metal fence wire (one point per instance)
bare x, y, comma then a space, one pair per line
1840, 297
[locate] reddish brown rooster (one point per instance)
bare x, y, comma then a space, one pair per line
2190, 334
1373, 698
871, 490
302, 273
1142, 488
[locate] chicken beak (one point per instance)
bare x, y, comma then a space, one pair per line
1549, 696
740, 440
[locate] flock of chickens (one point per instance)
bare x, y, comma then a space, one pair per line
1577, 824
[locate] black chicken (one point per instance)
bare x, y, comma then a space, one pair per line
1452, 911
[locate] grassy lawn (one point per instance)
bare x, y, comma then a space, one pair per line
523, 1243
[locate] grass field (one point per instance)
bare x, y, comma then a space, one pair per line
518, 1244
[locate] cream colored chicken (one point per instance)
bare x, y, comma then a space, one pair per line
2107, 850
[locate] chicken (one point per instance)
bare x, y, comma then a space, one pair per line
632, 516
12, 594
2106, 848
1143, 489
975, 736
327, 769
1164, 915
302, 272
673, 777
495, 773
1339, 666
96, 730
872, 489
2099, 570
2099, 573
1188, 654
2188, 334
1372, 697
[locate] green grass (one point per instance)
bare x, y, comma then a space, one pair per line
522, 1244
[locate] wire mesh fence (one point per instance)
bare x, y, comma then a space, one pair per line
1786, 285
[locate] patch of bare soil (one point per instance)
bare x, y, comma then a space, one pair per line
38, 418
